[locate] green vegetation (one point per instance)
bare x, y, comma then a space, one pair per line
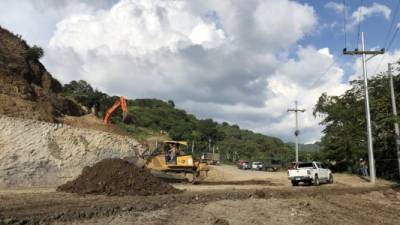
152, 116
345, 140
34, 53
307, 152
315, 147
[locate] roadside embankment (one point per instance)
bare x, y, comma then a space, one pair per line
34, 153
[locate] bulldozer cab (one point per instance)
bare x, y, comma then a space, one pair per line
178, 145
175, 153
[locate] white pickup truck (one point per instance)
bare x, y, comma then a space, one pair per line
309, 173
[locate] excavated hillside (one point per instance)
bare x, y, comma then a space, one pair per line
34, 153
27, 90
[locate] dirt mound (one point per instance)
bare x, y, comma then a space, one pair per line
27, 90
117, 177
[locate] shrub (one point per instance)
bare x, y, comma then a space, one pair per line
34, 53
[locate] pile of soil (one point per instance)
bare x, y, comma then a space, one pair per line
117, 177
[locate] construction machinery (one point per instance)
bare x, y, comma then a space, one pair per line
210, 158
119, 102
171, 162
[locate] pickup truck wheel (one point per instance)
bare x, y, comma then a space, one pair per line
316, 180
330, 179
295, 183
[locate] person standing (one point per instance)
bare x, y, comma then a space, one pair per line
364, 168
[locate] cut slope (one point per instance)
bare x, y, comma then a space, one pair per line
27, 90
34, 153
117, 177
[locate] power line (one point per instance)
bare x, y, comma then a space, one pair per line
323, 75
392, 23
319, 78
385, 46
345, 24
390, 44
394, 36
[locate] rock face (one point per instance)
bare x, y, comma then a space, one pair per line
27, 90
34, 153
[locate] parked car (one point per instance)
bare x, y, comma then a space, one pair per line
244, 165
247, 165
310, 173
257, 165
272, 165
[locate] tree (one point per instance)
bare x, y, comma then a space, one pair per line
172, 103
34, 53
83, 93
345, 140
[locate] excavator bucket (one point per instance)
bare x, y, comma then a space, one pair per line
124, 116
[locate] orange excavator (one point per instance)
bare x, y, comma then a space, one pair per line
120, 102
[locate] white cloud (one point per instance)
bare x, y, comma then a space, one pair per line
363, 12
35, 20
337, 7
376, 65
136, 28
228, 60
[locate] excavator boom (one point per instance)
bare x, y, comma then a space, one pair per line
120, 102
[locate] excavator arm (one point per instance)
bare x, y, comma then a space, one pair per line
120, 102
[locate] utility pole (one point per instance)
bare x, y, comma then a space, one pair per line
363, 53
394, 108
209, 144
297, 131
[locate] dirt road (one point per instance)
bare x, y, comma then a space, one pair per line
272, 202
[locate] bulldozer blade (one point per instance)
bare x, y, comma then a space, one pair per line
137, 161
169, 177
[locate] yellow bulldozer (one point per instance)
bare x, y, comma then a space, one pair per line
171, 162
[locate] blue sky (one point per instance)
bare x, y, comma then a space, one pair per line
375, 28
244, 62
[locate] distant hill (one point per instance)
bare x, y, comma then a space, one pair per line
150, 116
315, 147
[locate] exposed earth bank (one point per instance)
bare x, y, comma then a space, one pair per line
34, 153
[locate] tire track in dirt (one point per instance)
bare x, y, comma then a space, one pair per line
49, 207
350, 209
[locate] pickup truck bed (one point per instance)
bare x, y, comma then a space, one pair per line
309, 173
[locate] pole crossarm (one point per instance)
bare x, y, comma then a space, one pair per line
296, 110
357, 52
